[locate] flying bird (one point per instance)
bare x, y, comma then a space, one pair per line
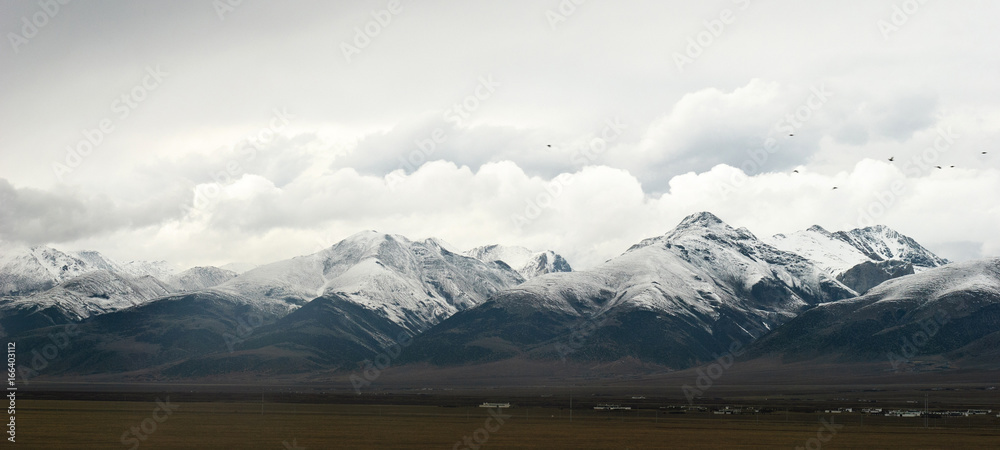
892, 158
938, 167
795, 171
984, 153
835, 187
550, 145
791, 135
952, 167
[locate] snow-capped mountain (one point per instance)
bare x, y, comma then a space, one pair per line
881, 243
822, 248
861, 258
355, 298
674, 299
528, 263
93, 293
413, 284
843, 250
197, 278
27, 269
95, 260
940, 317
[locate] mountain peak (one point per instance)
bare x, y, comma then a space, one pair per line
527, 263
365, 235
879, 228
880, 243
442, 244
702, 219
820, 230
371, 239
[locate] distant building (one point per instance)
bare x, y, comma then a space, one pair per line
610, 406
731, 410
494, 405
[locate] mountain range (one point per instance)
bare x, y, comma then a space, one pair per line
670, 302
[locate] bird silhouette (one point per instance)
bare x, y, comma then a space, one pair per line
550, 145
938, 167
984, 153
892, 158
952, 167
791, 134
835, 187
795, 171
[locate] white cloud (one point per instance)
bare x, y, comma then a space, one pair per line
687, 134
589, 216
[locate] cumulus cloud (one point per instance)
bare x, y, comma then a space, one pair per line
636, 144
589, 215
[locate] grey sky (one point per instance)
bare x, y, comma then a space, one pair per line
333, 145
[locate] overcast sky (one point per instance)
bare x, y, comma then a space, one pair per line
202, 133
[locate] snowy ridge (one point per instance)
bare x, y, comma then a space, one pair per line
97, 292
882, 243
197, 278
24, 269
414, 284
528, 263
28, 269
822, 248
839, 252
700, 270
161, 270
933, 284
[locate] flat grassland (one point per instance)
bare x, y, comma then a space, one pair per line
77, 424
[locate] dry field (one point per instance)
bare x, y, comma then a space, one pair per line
55, 424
